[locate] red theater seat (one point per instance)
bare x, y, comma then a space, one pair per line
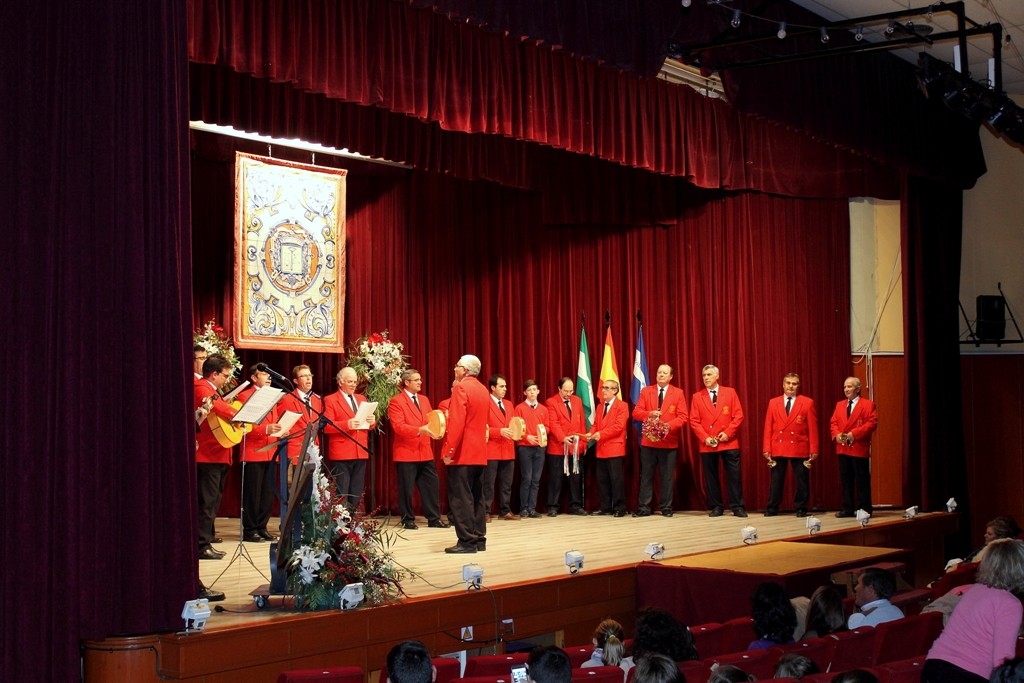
852, 649
904, 671
707, 638
737, 635
578, 654
598, 674
694, 671
334, 674
905, 638
759, 663
493, 665
819, 650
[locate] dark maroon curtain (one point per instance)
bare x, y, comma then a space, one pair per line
754, 283
99, 499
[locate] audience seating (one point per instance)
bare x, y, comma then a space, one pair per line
817, 649
903, 671
578, 654
760, 663
598, 674
905, 638
693, 670
493, 665
852, 649
1020, 646
334, 674
737, 635
448, 668
962, 575
707, 638
492, 678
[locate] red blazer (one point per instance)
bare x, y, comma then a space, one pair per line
407, 444
258, 437
711, 420
673, 413
794, 435
561, 425
612, 428
498, 446
293, 403
862, 424
532, 417
209, 449
337, 409
465, 439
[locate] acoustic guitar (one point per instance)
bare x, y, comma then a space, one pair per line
227, 433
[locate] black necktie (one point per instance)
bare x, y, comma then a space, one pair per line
789, 404
661, 397
714, 397
605, 409
417, 403
532, 405
849, 407
309, 408
352, 400
568, 407
501, 407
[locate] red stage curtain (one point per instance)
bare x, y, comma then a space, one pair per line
99, 496
753, 283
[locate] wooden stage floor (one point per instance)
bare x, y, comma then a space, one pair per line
522, 551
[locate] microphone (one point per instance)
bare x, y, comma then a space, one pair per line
263, 367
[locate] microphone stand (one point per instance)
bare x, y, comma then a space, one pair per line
368, 449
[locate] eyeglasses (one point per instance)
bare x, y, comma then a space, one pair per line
304, 377
608, 388
225, 375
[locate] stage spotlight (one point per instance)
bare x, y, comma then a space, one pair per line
473, 575
863, 517
749, 535
911, 512
196, 611
813, 525
824, 34
951, 505
782, 30
859, 35
686, 3
735, 18
351, 596
891, 27
574, 561
656, 551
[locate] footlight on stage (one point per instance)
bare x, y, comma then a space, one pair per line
473, 575
574, 561
749, 535
196, 611
863, 516
656, 551
951, 505
813, 525
351, 596
910, 512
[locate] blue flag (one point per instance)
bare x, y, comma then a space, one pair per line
639, 380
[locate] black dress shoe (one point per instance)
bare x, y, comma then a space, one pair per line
770, 513
411, 526
210, 594
845, 513
739, 513
579, 512
666, 513
552, 513
210, 554
801, 513
253, 538
481, 546
217, 539
267, 535
619, 513
535, 515
642, 513
438, 524
601, 513
458, 549
716, 512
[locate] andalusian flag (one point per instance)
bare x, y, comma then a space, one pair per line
609, 368
584, 385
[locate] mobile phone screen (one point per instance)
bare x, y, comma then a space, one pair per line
519, 674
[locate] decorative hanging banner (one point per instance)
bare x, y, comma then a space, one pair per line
289, 255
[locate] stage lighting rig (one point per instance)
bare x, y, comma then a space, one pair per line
863, 516
749, 535
813, 525
910, 512
351, 596
473, 575
196, 611
951, 505
656, 550
574, 561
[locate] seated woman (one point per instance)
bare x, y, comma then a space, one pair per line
795, 665
774, 616
608, 647
825, 613
727, 673
982, 630
1003, 526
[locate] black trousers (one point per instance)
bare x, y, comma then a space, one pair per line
611, 487
664, 460
940, 671
731, 460
257, 496
349, 480
421, 475
465, 502
501, 471
210, 479
800, 480
855, 471
556, 476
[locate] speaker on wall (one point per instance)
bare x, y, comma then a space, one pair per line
991, 317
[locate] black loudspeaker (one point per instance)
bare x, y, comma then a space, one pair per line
991, 317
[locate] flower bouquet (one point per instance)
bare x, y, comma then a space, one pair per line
216, 341
338, 548
379, 363
653, 429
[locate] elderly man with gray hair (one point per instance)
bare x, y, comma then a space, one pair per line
464, 451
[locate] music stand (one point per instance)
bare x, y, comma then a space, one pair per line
252, 412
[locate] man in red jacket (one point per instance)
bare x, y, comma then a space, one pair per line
346, 448
530, 451
212, 459
257, 484
464, 451
566, 447
501, 451
790, 434
609, 431
413, 452
715, 418
666, 403
853, 422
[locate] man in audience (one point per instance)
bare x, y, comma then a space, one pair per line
666, 403
656, 668
501, 451
790, 435
409, 662
549, 664
715, 418
874, 588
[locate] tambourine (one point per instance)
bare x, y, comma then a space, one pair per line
436, 424
542, 436
518, 427
808, 463
771, 463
